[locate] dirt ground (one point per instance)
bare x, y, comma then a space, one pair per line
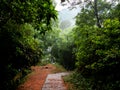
36, 79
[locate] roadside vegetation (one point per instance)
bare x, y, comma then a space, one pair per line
96, 47
21, 25
29, 35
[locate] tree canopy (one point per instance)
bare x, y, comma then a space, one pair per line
97, 45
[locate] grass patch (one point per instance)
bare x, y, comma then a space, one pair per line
43, 63
58, 68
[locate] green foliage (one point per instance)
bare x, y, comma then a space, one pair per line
39, 12
63, 50
98, 52
115, 12
19, 50
21, 22
58, 47
78, 81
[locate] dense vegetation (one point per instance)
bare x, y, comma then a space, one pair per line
97, 46
60, 46
28, 33
93, 46
21, 23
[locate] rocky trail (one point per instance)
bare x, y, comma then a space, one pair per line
42, 78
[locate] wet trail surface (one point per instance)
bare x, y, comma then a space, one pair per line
42, 78
54, 82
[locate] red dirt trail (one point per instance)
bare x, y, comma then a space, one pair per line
37, 79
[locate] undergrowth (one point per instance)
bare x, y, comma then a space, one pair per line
21, 79
76, 81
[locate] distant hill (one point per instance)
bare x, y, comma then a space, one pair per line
67, 17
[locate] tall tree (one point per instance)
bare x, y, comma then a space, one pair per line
97, 48
94, 13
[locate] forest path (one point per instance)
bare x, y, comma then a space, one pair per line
42, 78
55, 82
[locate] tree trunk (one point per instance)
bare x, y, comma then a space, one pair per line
96, 14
